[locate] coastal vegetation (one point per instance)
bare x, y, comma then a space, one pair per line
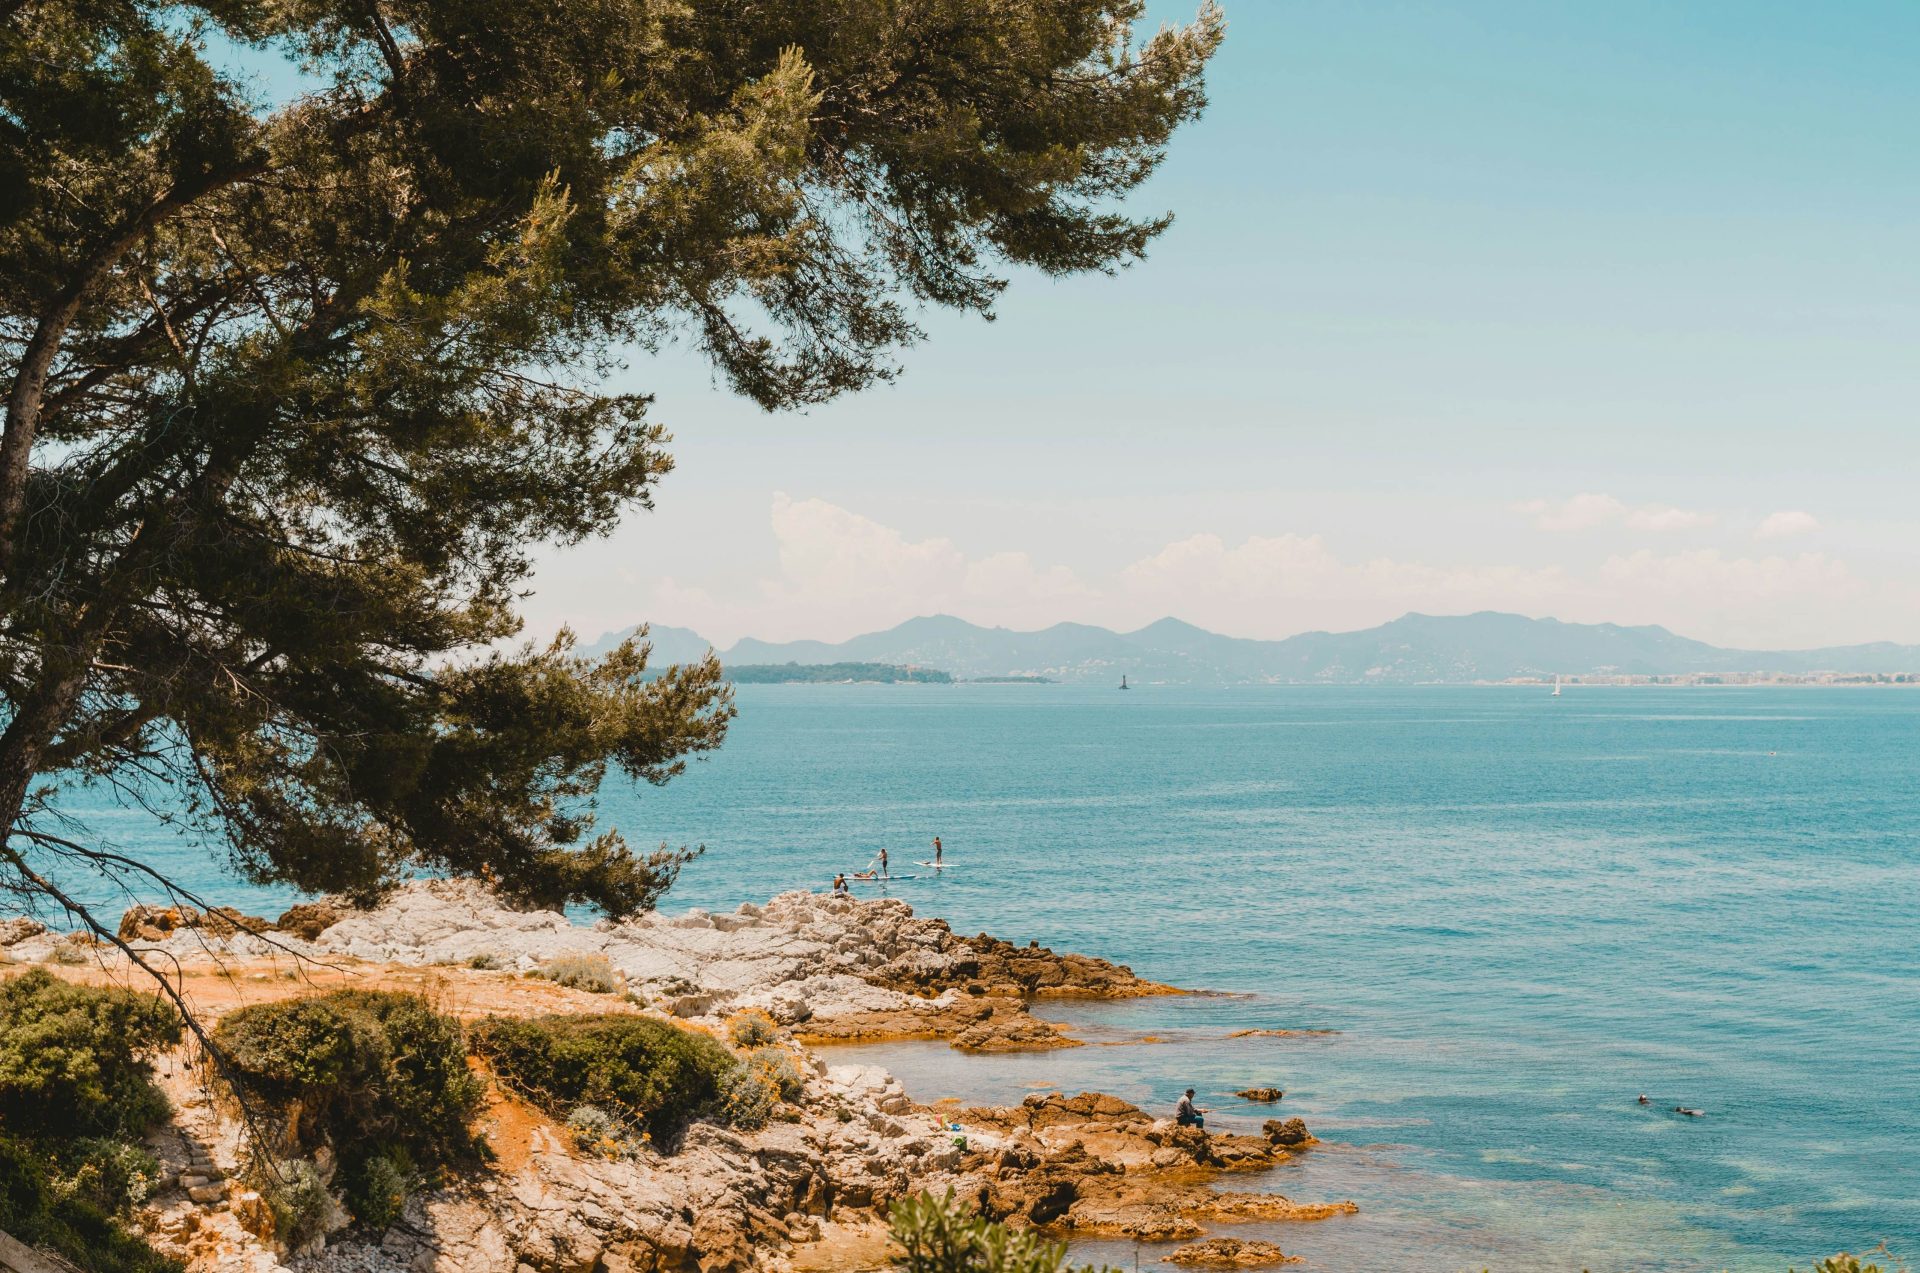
375, 1080
76, 1097
943, 1235
652, 1075
592, 973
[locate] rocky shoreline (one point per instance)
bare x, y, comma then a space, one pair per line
808, 1190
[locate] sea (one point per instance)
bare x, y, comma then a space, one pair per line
1497, 917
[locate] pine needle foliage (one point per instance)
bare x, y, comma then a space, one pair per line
293, 387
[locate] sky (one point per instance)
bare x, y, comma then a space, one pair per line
1606, 312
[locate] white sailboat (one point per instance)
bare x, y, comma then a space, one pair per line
1556, 685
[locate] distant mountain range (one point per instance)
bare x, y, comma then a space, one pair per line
1413, 649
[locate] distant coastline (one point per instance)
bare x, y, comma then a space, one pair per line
1416, 649
834, 674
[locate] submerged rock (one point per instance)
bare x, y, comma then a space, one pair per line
1231, 1253
1263, 1094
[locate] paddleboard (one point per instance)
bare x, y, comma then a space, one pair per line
884, 879
937, 866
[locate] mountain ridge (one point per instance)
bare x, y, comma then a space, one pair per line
1415, 648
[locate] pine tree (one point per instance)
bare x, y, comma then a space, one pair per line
294, 386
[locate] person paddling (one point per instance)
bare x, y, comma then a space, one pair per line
885, 874
1187, 1114
936, 852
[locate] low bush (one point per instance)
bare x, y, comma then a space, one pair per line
76, 1092
296, 1194
113, 1175
592, 1127
484, 962
752, 1029
36, 1209
74, 1060
747, 1098
940, 1235
1848, 1263
598, 1132
377, 1187
650, 1072
592, 973
367, 1071
780, 1068
378, 1076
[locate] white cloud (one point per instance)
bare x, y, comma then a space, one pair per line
1709, 572
841, 573
1587, 511
1658, 517
1273, 586
834, 572
1582, 512
1786, 524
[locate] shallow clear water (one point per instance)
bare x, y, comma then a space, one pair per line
1518, 912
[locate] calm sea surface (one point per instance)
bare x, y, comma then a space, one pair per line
1518, 912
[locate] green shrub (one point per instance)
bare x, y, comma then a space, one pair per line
650, 1072
598, 1132
113, 1175
1845, 1263
940, 1235
780, 1068
74, 1059
377, 1188
592, 1127
747, 1098
752, 1029
34, 1209
378, 1076
484, 962
370, 1071
297, 1195
582, 972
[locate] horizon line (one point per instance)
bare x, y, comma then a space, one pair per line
1305, 632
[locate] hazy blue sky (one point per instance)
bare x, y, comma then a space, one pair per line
1603, 311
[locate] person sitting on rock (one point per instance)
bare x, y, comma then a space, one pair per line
840, 885
1187, 1114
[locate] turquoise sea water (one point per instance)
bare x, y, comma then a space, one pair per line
1518, 913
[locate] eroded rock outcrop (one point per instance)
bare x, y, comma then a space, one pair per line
725, 1201
838, 967
158, 923
1230, 1253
